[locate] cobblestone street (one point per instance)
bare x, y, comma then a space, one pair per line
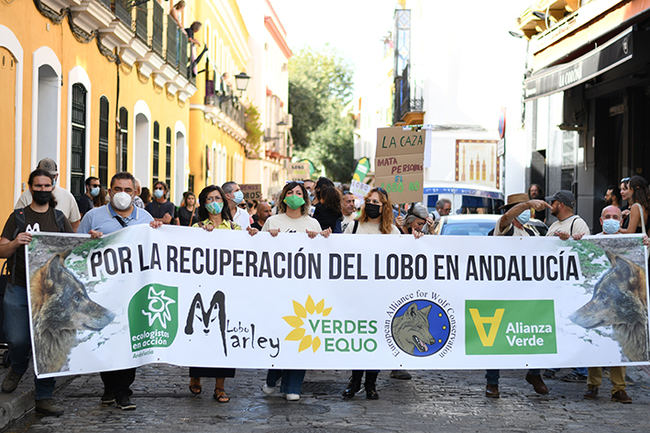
432, 401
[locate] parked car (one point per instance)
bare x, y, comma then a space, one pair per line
476, 225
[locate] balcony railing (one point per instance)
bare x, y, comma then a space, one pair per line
106, 3
123, 11
141, 23
182, 56
157, 29
172, 43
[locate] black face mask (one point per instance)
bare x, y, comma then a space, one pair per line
42, 197
373, 210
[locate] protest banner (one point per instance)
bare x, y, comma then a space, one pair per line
399, 163
226, 299
359, 189
252, 191
298, 171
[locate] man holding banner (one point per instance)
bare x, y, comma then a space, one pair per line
514, 223
116, 215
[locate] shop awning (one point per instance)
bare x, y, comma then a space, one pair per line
616, 51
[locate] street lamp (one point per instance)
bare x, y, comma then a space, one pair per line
241, 81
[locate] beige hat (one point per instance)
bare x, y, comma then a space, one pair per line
514, 199
48, 164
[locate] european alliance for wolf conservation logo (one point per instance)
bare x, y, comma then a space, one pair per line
516, 327
420, 324
153, 317
314, 328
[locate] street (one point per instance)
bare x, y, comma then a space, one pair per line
431, 401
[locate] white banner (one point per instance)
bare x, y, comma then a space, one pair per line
226, 299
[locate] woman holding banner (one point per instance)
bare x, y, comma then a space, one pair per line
376, 218
292, 217
213, 214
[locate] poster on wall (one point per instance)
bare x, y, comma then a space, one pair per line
477, 163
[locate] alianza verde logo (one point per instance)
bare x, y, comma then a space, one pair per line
313, 328
153, 317
498, 327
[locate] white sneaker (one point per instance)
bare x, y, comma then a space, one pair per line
292, 397
268, 390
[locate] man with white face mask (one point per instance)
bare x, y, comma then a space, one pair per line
235, 196
117, 214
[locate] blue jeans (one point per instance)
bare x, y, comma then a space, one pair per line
579, 370
492, 376
291, 380
16, 326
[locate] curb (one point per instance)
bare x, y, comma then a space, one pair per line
15, 405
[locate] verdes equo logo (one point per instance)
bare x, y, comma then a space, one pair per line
420, 328
314, 328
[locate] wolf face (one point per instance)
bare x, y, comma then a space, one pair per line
411, 330
216, 309
60, 308
619, 300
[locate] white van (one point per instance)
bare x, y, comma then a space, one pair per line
465, 198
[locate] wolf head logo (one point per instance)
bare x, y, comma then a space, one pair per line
619, 300
411, 330
60, 308
216, 309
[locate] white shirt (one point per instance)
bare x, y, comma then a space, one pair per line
242, 218
579, 226
285, 223
65, 202
369, 228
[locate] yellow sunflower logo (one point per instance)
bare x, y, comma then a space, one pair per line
296, 322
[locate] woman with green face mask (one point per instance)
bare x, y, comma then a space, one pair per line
292, 217
214, 214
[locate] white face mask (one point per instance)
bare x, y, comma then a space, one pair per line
121, 200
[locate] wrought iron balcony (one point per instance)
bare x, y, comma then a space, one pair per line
172, 43
141, 23
122, 11
157, 29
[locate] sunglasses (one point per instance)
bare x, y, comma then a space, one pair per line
347, 192
382, 190
625, 180
299, 182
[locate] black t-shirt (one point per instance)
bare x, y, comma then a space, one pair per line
158, 210
85, 204
34, 222
184, 216
328, 218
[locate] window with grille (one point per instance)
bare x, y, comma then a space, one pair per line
156, 150
124, 139
168, 158
78, 140
103, 140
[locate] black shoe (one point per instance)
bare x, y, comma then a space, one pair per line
492, 391
46, 407
124, 403
11, 381
108, 398
371, 392
353, 387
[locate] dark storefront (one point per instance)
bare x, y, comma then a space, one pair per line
588, 119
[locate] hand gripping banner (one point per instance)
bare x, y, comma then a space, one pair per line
189, 297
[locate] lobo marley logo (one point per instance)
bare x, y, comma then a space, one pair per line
314, 328
420, 327
153, 317
509, 327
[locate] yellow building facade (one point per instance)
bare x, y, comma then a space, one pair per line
101, 86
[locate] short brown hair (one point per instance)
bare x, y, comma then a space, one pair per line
282, 206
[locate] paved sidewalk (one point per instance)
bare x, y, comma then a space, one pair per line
432, 401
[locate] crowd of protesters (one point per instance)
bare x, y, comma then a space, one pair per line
317, 208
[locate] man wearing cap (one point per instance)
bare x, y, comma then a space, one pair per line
514, 223
65, 201
568, 224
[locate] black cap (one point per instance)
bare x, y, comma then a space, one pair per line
563, 196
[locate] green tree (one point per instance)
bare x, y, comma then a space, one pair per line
320, 88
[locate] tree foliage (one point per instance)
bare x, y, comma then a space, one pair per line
320, 88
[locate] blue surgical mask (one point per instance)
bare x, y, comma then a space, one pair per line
611, 226
94, 191
238, 197
524, 217
214, 208
158, 193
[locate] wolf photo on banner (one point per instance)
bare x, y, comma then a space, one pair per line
223, 299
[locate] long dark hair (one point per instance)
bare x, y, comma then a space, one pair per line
203, 212
41, 172
282, 206
640, 192
330, 198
